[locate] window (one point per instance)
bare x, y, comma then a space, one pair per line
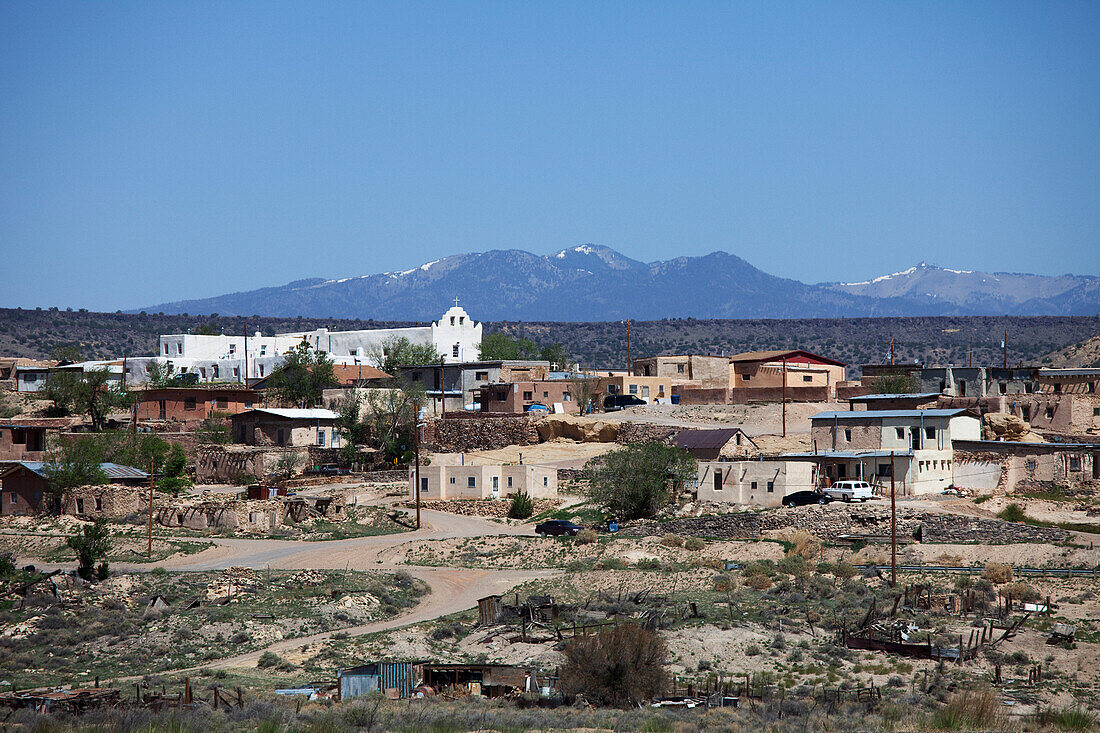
496, 483
280, 437
99, 503
461, 320
899, 433
1025, 412
232, 348
454, 351
1074, 463
471, 482
633, 389
1057, 388
509, 482
1096, 412
807, 378
179, 348
263, 350
746, 377
848, 435
79, 506
321, 438
771, 487
566, 397
452, 320
236, 372
545, 394
261, 370
679, 368
1050, 413
214, 371
423, 484
202, 372
481, 376
545, 480
222, 403
452, 479
1003, 387
754, 486
528, 395
884, 469
189, 403
166, 349
248, 405
930, 433
842, 471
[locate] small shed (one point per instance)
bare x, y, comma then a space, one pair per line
712, 445
490, 680
392, 679
489, 610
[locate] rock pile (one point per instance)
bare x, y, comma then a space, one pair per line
1005, 426
480, 433
636, 432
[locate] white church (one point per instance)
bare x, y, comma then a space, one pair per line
222, 358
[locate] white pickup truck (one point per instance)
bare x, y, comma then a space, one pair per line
850, 490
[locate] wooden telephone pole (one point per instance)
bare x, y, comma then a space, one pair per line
893, 528
416, 452
629, 363
891, 352
784, 397
152, 465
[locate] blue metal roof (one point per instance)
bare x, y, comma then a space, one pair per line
878, 414
113, 470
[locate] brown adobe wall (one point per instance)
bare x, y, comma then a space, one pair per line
743, 395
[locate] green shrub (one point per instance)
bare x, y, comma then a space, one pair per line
268, 660
672, 540
522, 507
586, 537
694, 544
1013, 513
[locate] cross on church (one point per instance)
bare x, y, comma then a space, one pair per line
456, 301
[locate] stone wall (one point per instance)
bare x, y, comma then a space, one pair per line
111, 500
831, 521
481, 433
637, 432
743, 395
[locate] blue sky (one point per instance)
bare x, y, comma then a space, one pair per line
159, 151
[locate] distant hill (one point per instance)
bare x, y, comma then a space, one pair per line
1081, 355
933, 340
596, 283
974, 292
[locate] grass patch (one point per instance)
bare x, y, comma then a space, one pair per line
1015, 513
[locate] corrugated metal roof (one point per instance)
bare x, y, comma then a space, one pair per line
113, 470
849, 454
704, 439
880, 414
779, 355
1069, 372
870, 397
294, 413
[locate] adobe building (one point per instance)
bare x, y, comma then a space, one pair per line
25, 439
192, 405
458, 385
649, 389
298, 427
753, 483
484, 482
518, 397
695, 370
715, 445
25, 486
761, 376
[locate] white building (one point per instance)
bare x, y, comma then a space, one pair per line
221, 358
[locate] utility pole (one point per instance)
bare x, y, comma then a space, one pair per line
891, 352
784, 397
416, 452
893, 528
246, 353
152, 465
629, 364
442, 393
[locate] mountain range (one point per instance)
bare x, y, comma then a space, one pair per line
595, 283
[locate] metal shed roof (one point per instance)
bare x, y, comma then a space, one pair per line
880, 414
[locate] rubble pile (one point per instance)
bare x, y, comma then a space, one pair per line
1005, 426
359, 601
232, 582
482, 507
307, 577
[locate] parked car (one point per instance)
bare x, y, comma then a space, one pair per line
618, 401
331, 469
557, 527
802, 498
851, 490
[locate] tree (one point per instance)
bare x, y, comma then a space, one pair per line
214, 429
398, 351
71, 353
84, 393
91, 544
639, 480
585, 391
73, 463
500, 346
622, 666
390, 416
353, 432
288, 463
175, 477
894, 384
303, 377
557, 356
161, 374
522, 506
